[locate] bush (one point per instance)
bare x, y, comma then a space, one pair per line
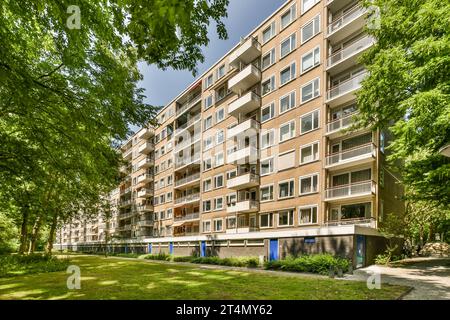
249, 262
159, 256
183, 259
319, 263
13, 265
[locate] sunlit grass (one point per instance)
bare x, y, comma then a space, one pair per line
116, 278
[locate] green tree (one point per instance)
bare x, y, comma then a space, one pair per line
407, 91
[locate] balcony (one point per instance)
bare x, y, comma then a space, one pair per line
128, 153
366, 222
335, 127
243, 230
355, 191
146, 148
347, 24
245, 79
144, 208
250, 127
183, 162
145, 133
145, 193
186, 106
243, 181
126, 215
188, 217
244, 104
345, 91
125, 191
145, 223
351, 157
125, 203
145, 163
242, 156
189, 123
144, 178
348, 57
187, 199
188, 142
248, 51
187, 181
244, 207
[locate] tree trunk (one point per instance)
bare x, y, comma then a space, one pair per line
35, 234
24, 229
51, 234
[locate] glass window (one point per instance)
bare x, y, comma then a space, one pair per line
309, 184
267, 139
309, 153
309, 122
268, 59
219, 137
267, 166
307, 215
268, 112
310, 90
218, 181
218, 159
206, 226
209, 81
218, 203
221, 71
310, 29
286, 189
286, 218
208, 101
287, 102
269, 32
207, 185
266, 220
287, 131
268, 85
267, 193
308, 4
208, 123
288, 16
206, 205
311, 59
220, 115
218, 225
287, 45
287, 74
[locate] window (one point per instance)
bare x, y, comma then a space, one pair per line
267, 166
218, 224
208, 101
269, 32
206, 205
162, 198
287, 74
268, 59
286, 189
287, 131
268, 85
307, 215
382, 141
267, 139
268, 112
218, 203
207, 226
310, 29
221, 71
219, 137
311, 59
207, 143
308, 4
220, 115
310, 90
169, 213
231, 200
231, 174
309, 122
218, 181
286, 160
207, 164
169, 197
221, 93
218, 159
287, 102
169, 180
309, 153
207, 185
286, 218
267, 193
231, 222
209, 81
208, 123
266, 220
288, 16
309, 184
287, 46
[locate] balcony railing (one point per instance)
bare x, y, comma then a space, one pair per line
144, 177
126, 215
188, 123
143, 223
190, 216
341, 123
346, 86
349, 16
187, 179
353, 189
249, 124
349, 154
361, 220
189, 104
244, 180
125, 203
144, 208
187, 143
350, 50
188, 198
185, 161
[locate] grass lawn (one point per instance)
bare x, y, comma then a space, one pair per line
118, 278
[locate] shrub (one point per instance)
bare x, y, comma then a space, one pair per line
159, 256
13, 265
183, 259
319, 263
250, 262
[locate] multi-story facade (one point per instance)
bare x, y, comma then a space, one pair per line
255, 157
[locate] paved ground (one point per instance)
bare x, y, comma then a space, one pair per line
429, 277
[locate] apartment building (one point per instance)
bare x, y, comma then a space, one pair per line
258, 156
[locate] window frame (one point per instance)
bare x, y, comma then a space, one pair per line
314, 65
292, 73
310, 145
300, 208
279, 189
292, 46
288, 95
270, 105
309, 176
313, 90
280, 140
315, 32
311, 113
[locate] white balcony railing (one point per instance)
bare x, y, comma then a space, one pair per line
248, 51
144, 177
346, 18
186, 161
341, 123
189, 216
242, 156
241, 128
243, 181
189, 104
187, 142
244, 104
350, 50
353, 189
245, 79
350, 154
190, 122
188, 198
187, 179
346, 86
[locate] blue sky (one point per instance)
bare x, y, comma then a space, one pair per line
243, 16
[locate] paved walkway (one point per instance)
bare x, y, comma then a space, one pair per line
429, 277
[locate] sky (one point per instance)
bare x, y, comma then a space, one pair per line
243, 16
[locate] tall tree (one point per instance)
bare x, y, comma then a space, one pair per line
407, 91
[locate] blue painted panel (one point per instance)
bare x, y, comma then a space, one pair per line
203, 249
171, 248
149, 248
273, 249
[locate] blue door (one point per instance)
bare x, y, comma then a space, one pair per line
149, 248
360, 250
203, 249
126, 248
273, 249
171, 248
